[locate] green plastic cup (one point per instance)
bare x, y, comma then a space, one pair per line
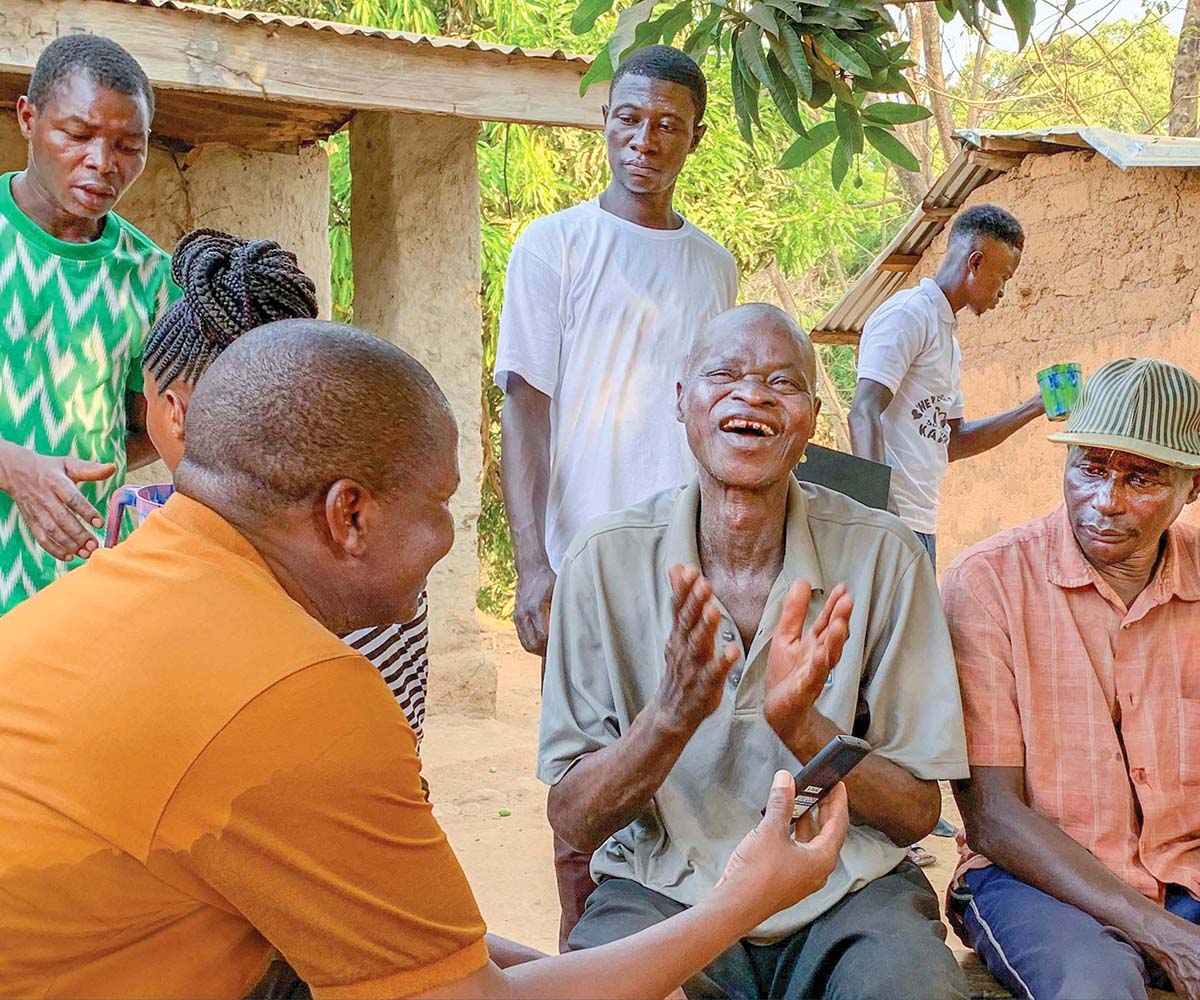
1060, 385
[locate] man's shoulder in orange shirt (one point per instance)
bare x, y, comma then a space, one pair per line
146, 700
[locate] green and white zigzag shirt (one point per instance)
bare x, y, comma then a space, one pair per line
73, 324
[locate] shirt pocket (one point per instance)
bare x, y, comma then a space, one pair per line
1189, 740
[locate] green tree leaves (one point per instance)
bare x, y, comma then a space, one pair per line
587, 13
892, 148
807, 146
1021, 12
803, 53
891, 113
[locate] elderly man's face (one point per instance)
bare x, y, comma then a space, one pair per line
748, 402
1120, 504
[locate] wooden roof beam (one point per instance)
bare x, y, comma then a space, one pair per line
836, 337
900, 262
193, 51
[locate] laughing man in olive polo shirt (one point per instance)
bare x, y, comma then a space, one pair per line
660, 764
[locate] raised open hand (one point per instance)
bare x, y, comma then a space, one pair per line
694, 678
800, 660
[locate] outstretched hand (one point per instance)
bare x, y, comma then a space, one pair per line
43, 487
800, 661
771, 869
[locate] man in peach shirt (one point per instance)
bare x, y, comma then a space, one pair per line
1076, 638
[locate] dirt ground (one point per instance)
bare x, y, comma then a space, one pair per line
477, 767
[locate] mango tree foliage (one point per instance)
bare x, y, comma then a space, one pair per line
797, 56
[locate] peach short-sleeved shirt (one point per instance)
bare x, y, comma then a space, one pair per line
192, 771
1099, 703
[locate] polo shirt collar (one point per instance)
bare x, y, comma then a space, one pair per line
800, 561
1178, 574
934, 291
194, 518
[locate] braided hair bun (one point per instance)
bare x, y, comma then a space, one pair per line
230, 285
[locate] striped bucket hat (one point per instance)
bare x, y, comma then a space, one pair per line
1143, 406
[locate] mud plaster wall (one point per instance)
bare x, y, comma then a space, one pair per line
260, 195
1109, 271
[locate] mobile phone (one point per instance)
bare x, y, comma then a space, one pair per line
836, 759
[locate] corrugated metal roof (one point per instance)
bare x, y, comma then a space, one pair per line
1123, 149
982, 160
337, 28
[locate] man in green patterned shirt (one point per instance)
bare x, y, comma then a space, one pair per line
79, 288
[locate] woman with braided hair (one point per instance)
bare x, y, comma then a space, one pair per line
231, 285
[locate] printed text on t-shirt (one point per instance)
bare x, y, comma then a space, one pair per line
931, 419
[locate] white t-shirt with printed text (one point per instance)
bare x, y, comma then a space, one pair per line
909, 346
599, 314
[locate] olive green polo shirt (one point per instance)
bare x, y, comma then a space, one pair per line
610, 619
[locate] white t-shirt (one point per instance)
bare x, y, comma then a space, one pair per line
599, 314
909, 346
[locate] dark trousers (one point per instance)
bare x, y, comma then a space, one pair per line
1038, 946
884, 942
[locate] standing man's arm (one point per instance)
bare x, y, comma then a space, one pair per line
866, 425
139, 449
973, 437
525, 475
892, 341
527, 370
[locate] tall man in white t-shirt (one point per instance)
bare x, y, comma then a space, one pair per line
908, 406
601, 303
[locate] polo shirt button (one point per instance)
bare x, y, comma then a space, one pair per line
727, 634
735, 679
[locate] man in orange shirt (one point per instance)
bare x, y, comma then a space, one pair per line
194, 769
1076, 637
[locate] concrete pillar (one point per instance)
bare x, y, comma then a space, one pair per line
268, 196
414, 225
249, 193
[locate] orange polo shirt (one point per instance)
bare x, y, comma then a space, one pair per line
194, 771
1099, 703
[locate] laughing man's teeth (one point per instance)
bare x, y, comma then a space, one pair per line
751, 425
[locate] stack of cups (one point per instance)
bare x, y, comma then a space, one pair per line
1060, 385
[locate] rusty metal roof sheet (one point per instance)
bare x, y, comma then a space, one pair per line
338, 28
984, 156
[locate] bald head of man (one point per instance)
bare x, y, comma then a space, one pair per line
747, 397
335, 454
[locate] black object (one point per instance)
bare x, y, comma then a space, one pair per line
858, 478
836, 759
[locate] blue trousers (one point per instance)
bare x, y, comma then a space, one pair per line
1040, 948
930, 543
